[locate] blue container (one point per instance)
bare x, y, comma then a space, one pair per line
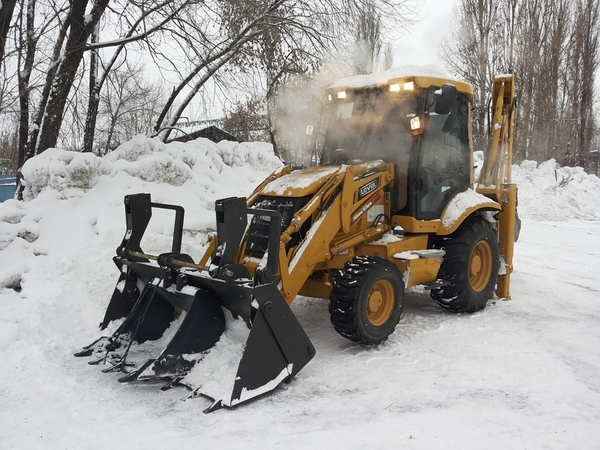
8, 187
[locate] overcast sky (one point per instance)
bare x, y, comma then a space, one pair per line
421, 44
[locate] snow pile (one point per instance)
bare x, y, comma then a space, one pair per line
74, 201
550, 192
150, 160
214, 374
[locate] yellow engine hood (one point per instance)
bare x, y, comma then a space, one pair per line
300, 183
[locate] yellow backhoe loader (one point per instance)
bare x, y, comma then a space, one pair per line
390, 203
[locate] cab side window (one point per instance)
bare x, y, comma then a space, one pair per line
444, 159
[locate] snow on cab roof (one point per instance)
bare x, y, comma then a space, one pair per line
384, 78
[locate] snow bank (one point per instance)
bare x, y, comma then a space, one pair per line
150, 160
74, 201
550, 192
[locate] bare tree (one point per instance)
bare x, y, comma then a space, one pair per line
585, 59
470, 54
368, 39
127, 106
247, 121
137, 26
7, 8
8, 152
51, 20
287, 27
388, 57
62, 60
80, 26
553, 48
242, 23
25, 68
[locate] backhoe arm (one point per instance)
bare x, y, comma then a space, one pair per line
495, 177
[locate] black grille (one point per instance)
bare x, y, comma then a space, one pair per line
258, 234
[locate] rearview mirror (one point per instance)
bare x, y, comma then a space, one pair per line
445, 98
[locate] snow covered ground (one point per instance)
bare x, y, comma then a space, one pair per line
519, 374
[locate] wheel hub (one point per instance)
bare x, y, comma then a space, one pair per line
380, 303
480, 266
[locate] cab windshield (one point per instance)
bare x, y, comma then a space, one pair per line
368, 125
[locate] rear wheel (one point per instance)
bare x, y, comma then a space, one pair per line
470, 265
366, 300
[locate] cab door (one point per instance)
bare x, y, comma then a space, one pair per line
441, 163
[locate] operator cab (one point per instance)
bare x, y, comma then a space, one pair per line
420, 124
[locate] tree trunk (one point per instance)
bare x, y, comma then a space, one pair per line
24, 74
6, 11
80, 30
94, 97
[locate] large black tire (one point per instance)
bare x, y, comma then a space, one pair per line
470, 264
366, 300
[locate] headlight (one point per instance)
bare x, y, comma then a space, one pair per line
415, 123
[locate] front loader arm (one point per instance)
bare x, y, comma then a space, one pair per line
273, 176
334, 208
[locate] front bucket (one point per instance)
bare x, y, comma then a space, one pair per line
229, 336
200, 330
231, 342
242, 363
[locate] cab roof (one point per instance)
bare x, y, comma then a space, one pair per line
422, 76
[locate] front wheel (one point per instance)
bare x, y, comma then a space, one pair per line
470, 266
366, 300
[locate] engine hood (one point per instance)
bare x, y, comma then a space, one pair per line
300, 183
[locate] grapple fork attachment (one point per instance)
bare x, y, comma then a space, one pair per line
276, 347
133, 277
150, 297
